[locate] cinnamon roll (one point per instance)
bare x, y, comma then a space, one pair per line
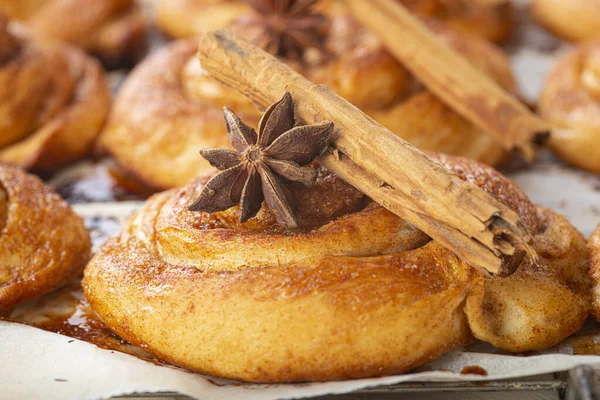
353, 292
168, 108
113, 30
489, 19
571, 101
571, 20
54, 100
43, 244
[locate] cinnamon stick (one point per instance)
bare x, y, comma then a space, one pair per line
451, 77
458, 214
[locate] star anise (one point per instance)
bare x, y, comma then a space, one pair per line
262, 163
286, 28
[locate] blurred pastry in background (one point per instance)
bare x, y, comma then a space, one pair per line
169, 108
490, 19
54, 99
184, 18
574, 20
112, 30
571, 102
43, 243
353, 292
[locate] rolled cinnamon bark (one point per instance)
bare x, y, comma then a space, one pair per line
403, 179
451, 77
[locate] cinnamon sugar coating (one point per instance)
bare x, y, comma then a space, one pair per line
43, 244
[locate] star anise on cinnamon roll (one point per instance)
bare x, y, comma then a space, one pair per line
261, 163
286, 28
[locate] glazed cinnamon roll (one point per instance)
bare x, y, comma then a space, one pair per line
169, 107
113, 30
571, 101
353, 292
572, 20
490, 19
54, 100
43, 244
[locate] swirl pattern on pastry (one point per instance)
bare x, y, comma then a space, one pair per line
594, 249
572, 20
489, 19
169, 107
43, 244
113, 30
355, 292
54, 100
571, 101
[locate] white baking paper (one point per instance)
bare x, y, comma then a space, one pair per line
37, 364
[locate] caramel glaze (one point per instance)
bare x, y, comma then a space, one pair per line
100, 181
571, 101
68, 313
473, 370
355, 292
112, 30
169, 107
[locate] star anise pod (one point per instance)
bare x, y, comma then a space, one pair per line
261, 163
286, 28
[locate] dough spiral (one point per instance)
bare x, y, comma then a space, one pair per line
112, 30
355, 292
594, 248
169, 108
43, 244
571, 101
54, 100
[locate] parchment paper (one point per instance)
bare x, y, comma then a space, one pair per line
41, 365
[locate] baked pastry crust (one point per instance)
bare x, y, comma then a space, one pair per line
489, 19
112, 30
571, 20
571, 101
356, 292
54, 100
169, 108
43, 243
594, 248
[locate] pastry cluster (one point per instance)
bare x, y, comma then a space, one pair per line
256, 262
